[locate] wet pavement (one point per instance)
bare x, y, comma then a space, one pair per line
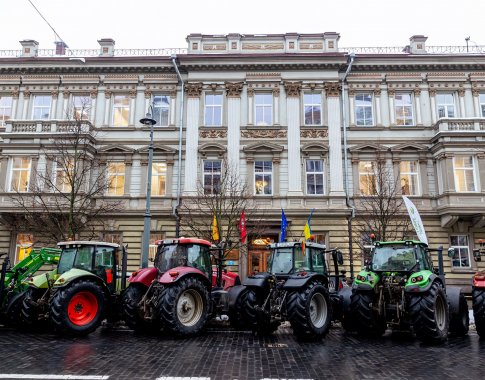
223, 353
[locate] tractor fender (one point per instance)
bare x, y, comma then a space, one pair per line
259, 280
175, 275
12, 300
453, 296
297, 282
344, 296
81, 275
233, 294
417, 289
143, 276
479, 280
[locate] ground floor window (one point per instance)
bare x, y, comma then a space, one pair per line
460, 243
23, 246
152, 247
110, 237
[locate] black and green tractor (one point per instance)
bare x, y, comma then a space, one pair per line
81, 292
401, 289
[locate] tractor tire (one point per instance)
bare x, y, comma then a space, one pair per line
13, 309
430, 315
479, 310
78, 308
257, 321
133, 314
237, 314
459, 322
363, 319
310, 311
32, 315
184, 307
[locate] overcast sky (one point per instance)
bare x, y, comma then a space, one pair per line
165, 24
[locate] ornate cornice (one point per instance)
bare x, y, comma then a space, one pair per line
263, 133
234, 89
213, 133
332, 89
292, 89
417, 91
313, 133
193, 90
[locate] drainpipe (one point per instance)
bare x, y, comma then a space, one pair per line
346, 165
179, 174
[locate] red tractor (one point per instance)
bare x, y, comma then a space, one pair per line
478, 292
181, 291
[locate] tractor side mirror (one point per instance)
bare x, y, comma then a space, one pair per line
340, 258
451, 252
367, 264
476, 255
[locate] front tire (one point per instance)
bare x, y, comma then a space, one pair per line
478, 296
13, 309
237, 313
33, 310
363, 319
258, 321
78, 308
133, 313
310, 311
430, 315
184, 307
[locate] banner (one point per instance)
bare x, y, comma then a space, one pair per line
215, 229
242, 227
415, 219
284, 226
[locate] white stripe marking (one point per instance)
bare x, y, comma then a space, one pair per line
182, 378
48, 377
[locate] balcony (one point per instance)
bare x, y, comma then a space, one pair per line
460, 124
39, 127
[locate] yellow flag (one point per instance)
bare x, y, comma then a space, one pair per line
215, 229
306, 231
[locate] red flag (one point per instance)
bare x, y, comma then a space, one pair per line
242, 227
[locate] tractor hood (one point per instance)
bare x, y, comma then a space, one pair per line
41, 280
70, 275
144, 276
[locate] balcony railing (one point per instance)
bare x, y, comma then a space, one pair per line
461, 124
50, 126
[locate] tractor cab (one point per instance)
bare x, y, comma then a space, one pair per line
400, 256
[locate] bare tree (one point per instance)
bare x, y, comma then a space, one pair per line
65, 199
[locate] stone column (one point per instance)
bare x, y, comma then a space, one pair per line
432, 101
131, 117
276, 103
173, 103
423, 175
139, 105
34, 167
276, 176
169, 179
15, 102
385, 112
335, 139
392, 115
233, 93
461, 97
294, 157
417, 105
476, 102
61, 112
3, 172
26, 103
194, 91
351, 109
127, 186
355, 176
100, 107
250, 174
148, 99
377, 96
53, 112
92, 112
250, 105
107, 108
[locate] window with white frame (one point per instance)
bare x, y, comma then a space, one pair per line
213, 110
112, 237
81, 105
41, 109
315, 177
121, 110
461, 258
23, 246
161, 108
263, 107
116, 178
312, 103
159, 178
20, 174
363, 109
5, 109
367, 178
263, 177
409, 176
64, 175
481, 99
403, 109
445, 104
212, 176
464, 171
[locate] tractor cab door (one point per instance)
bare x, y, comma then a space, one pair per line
105, 265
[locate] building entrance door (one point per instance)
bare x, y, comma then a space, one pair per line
258, 254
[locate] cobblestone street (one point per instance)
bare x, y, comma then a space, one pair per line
222, 353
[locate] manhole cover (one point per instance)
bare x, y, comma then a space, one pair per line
276, 345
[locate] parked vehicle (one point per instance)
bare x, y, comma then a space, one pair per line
13, 280
181, 292
81, 292
295, 288
401, 289
478, 293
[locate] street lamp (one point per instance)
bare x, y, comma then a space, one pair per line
148, 121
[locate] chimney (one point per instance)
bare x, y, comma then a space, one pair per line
61, 47
331, 41
107, 47
29, 48
418, 44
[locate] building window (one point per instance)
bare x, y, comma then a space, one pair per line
212, 176
64, 176
445, 105
161, 107
461, 258
112, 237
153, 246
116, 178
403, 108
42, 107
263, 175
363, 109
121, 110
313, 108
314, 177
482, 105
409, 177
20, 178
213, 110
367, 178
263, 106
159, 176
81, 107
5, 109
23, 246
464, 169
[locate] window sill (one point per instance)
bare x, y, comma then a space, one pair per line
462, 270
314, 127
262, 127
367, 128
159, 129
113, 128
408, 127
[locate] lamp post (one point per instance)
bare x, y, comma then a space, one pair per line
148, 121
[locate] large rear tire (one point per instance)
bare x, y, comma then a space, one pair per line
133, 313
13, 309
478, 296
258, 320
459, 322
32, 312
310, 311
363, 319
237, 314
430, 314
184, 307
78, 308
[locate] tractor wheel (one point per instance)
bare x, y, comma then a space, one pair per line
479, 310
459, 322
78, 308
133, 313
258, 321
32, 314
237, 315
13, 309
184, 307
363, 319
310, 311
430, 315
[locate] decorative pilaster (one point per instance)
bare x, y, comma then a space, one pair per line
432, 101
100, 107
15, 102
392, 114
173, 103
476, 101
293, 117
26, 102
53, 112
131, 118
250, 105
377, 96
194, 90
461, 97
351, 110
92, 112
233, 91
417, 103
107, 107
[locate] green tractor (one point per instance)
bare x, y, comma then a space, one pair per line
400, 288
13, 281
81, 292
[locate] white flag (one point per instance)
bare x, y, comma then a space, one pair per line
415, 219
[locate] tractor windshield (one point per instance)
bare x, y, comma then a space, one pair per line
76, 257
285, 260
389, 258
176, 255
